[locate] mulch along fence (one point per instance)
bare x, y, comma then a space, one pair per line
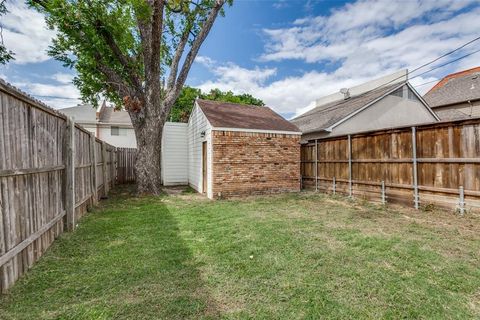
436, 164
51, 172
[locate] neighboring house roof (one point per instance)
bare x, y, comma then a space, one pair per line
323, 117
455, 88
451, 114
110, 115
241, 116
84, 113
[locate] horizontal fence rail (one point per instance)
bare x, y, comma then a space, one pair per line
436, 164
51, 172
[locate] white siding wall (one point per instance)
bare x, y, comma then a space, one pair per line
389, 112
175, 154
196, 124
126, 141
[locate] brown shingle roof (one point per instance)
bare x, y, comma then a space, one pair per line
324, 116
455, 88
241, 116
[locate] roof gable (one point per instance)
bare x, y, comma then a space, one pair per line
327, 115
241, 116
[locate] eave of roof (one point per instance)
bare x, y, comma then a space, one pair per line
240, 117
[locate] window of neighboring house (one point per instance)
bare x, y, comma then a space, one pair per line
117, 131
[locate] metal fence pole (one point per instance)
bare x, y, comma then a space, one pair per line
462, 200
350, 191
384, 201
316, 165
414, 165
334, 186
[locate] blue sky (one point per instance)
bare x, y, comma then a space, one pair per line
287, 53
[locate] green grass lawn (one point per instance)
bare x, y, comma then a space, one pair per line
291, 256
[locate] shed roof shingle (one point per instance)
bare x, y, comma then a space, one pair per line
324, 116
241, 116
455, 88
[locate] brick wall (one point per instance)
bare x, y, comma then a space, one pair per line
247, 163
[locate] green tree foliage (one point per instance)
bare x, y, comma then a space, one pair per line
5, 54
183, 106
137, 53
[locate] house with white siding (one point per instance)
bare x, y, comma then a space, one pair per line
383, 103
110, 125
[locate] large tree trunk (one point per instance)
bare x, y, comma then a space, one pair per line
149, 145
148, 163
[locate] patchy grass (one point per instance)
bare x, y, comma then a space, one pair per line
290, 256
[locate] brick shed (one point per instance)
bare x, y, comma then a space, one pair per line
237, 150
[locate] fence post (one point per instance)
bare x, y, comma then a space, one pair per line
334, 185
350, 191
93, 172
316, 165
105, 167
70, 175
115, 168
414, 164
384, 198
462, 200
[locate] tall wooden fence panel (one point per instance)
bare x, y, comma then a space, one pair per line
126, 164
436, 164
51, 172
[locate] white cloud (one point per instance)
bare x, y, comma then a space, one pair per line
25, 33
366, 39
285, 96
64, 78
54, 95
205, 61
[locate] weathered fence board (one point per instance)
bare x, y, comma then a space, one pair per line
437, 162
126, 164
51, 172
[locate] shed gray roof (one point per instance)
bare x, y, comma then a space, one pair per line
324, 116
242, 116
455, 88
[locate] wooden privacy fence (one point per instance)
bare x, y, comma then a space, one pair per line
126, 164
436, 164
51, 171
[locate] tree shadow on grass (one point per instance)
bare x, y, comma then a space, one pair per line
127, 260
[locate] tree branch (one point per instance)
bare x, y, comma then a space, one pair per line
125, 60
176, 59
156, 38
173, 93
